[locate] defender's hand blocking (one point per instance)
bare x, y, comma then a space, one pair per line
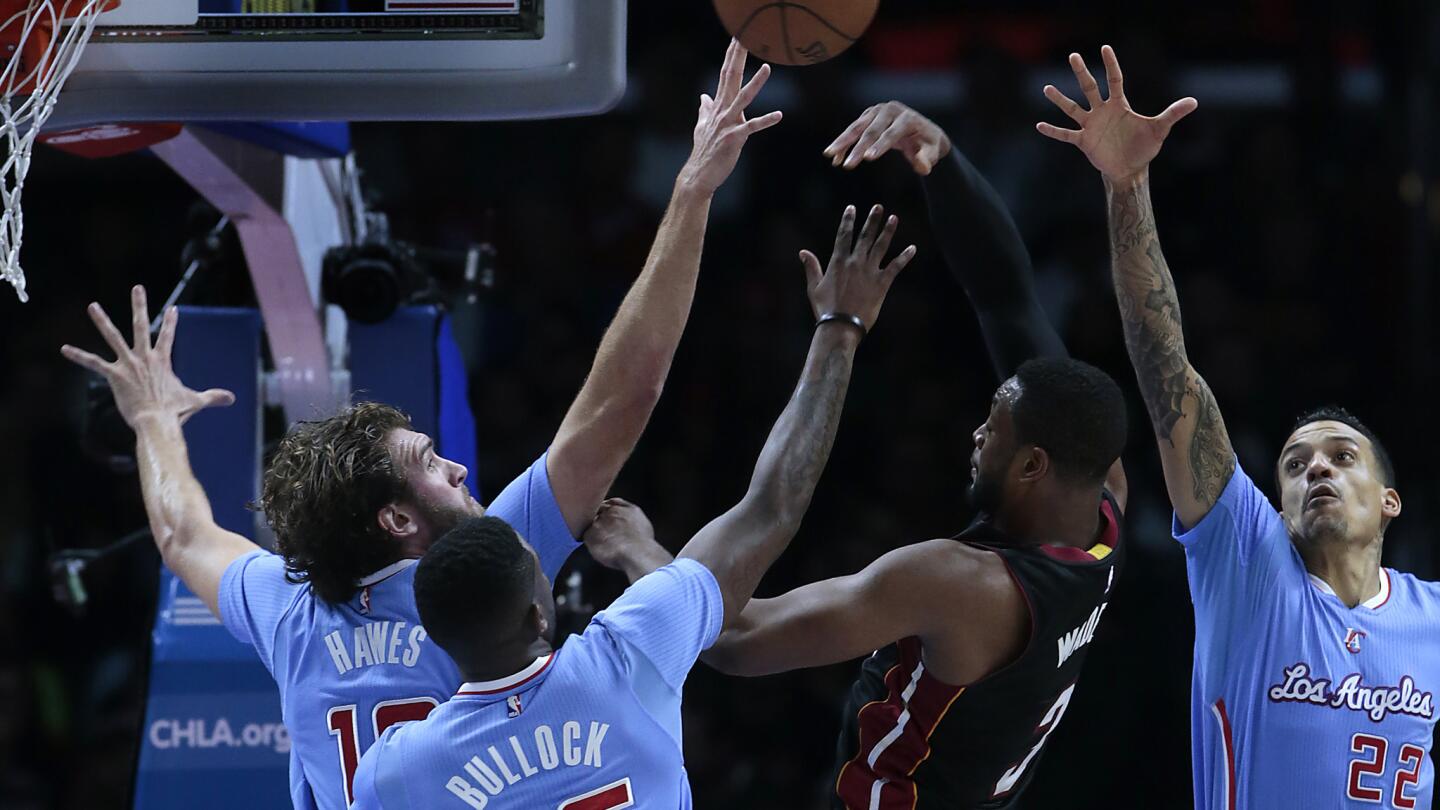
141, 378
1118, 141
618, 527
722, 128
855, 283
622, 538
888, 126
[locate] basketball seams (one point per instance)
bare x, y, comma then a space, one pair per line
782, 6
744, 26
820, 20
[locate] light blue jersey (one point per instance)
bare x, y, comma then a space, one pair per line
1296, 699
347, 672
592, 726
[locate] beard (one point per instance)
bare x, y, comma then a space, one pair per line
986, 493
442, 519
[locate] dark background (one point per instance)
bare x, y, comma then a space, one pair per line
1298, 206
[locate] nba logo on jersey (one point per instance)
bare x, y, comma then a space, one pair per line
1352, 639
365, 600
515, 708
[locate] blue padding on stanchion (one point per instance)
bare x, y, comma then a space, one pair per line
213, 735
394, 362
410, 360
457, 421
305, 139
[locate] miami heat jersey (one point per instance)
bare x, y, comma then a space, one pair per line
1296, 699
909, 740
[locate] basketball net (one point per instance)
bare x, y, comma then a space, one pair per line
38, 61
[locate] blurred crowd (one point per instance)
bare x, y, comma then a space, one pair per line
1289, 224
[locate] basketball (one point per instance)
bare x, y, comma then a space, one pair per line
789, 33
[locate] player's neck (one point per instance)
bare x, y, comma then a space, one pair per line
1351, 570
504, 661
1057, 516
415, 546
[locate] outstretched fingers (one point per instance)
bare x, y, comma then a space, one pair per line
1113, 77
882, 242
166, 341
1066, 105
1175, 112
112, 336
899, 262
85, 359
845, 234
871, 232
751, 89
765, 121
139, 319
732, 70
210, 398
1087, 82
1052, 131
216, 398
813, 272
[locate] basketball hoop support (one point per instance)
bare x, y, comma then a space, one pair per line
246, 183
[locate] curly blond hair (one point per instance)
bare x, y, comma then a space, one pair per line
322, 489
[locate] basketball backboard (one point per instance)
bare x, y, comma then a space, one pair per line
352, 60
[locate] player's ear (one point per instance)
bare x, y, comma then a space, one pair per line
397, 520
1036, 463
536, 620
1390, 503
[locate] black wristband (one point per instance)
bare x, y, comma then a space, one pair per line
842, 317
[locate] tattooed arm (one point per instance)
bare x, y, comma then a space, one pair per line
1194, 447
740, 545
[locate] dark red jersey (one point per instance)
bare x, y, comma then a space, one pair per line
910, 741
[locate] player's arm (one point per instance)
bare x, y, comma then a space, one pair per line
605, 422
839, 619
1195, 448
156, 404
739, 546
978, 237
969, 220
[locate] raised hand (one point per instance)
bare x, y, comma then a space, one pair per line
1118, 141
855, 282
722, 128
888, 126
140, 377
